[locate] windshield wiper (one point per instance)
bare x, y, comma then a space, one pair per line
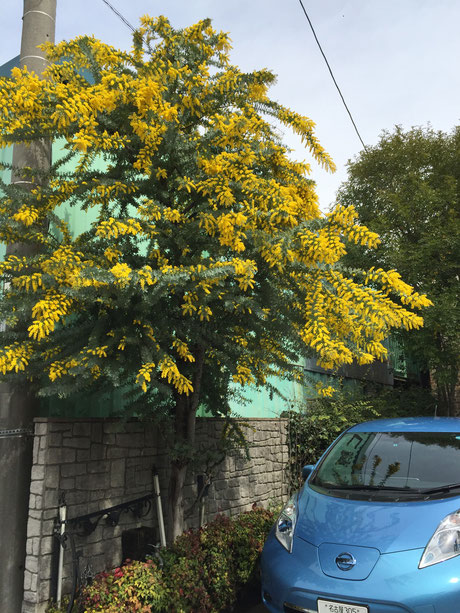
364, 487
384, 488
440, 489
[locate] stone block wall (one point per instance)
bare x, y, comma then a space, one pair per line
99, 463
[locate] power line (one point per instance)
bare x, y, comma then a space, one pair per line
332, 75
126, 22
118, 14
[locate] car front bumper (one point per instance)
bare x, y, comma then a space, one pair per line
395, 585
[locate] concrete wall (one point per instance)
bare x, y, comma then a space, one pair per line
99, 463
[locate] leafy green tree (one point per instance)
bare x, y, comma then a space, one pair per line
207, 262
314, 425
407, 188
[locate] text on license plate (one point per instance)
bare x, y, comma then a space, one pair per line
328, 606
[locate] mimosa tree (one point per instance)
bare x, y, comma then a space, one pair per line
207, 261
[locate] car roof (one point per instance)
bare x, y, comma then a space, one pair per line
410, 424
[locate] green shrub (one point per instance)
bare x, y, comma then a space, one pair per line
204, 571
208, 568
314, 427
135, 586
404, 401
53, 608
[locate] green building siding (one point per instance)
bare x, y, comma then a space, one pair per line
6, 157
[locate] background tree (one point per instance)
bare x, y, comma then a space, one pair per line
206, 261
407, 189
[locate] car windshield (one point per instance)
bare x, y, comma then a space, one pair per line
414, 462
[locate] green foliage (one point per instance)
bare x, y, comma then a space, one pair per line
404, 401
203, 571
206, 569
313, 427
135, 586
407, 189
205, 261
53, 608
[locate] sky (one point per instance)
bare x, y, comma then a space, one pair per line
396, 61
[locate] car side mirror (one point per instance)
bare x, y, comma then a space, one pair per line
307, 470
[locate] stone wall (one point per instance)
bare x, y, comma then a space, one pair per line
100, 463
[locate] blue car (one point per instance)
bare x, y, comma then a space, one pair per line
376, 526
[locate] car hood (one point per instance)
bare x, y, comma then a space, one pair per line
385, 526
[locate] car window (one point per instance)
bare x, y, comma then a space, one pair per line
408, 460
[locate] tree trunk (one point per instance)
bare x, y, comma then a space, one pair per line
184, 442
446, 393
446, 389
176, 501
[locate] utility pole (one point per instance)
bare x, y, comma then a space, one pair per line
17, 407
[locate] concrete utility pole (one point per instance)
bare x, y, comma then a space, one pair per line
17, 407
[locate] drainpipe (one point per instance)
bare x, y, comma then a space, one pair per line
62, 518
156, 489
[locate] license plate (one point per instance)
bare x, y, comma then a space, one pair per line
330, 606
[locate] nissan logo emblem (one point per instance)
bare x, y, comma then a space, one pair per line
345, 561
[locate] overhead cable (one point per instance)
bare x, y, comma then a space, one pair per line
126, 22
118, 14
332, 75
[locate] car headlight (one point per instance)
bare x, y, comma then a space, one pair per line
285, 524
445, 542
